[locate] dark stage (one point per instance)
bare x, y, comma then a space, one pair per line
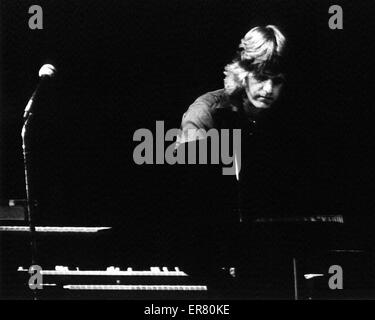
123, 65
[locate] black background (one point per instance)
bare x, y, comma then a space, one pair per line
122, 65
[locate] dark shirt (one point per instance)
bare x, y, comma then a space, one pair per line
209, 111
267, 162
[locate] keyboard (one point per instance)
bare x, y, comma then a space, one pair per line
113, 282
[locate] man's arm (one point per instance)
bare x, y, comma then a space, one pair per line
196, 119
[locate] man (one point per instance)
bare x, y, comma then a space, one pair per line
250, 101
253, 81
252, 89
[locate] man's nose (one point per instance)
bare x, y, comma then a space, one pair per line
268, 86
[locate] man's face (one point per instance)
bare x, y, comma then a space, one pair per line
263, 90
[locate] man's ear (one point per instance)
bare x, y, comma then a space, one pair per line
245, 81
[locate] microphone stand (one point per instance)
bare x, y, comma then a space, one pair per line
45, 71
29, 202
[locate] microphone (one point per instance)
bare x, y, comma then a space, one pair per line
47, 71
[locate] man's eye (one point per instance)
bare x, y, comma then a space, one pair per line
260, 78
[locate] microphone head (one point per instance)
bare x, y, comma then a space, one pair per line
47, 70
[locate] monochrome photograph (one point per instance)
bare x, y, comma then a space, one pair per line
186, 150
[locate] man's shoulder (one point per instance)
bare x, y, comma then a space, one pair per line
200, 112
211, 99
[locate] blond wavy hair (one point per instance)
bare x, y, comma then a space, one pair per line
261, 50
